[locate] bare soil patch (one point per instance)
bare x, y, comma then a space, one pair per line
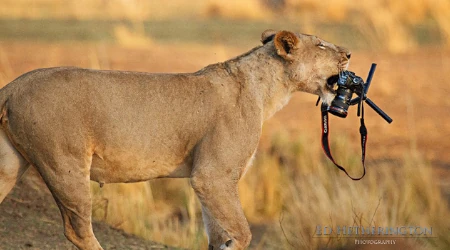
30, 219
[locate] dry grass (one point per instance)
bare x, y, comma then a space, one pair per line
315, 193
171, 217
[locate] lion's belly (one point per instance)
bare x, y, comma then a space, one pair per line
135, 167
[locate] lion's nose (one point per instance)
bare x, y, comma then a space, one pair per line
348, 55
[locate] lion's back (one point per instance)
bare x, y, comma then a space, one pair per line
82, 104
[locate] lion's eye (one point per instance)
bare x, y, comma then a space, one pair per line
321, 45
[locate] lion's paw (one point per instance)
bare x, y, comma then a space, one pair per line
226, 246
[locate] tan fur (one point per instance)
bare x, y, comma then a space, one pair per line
74, 125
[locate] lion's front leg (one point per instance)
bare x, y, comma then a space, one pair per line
216, 235
219, 162
225, 222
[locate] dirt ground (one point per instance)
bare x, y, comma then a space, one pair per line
30, 219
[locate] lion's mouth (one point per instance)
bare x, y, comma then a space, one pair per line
328, 92
332, 82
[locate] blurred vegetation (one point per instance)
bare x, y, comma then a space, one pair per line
397, 25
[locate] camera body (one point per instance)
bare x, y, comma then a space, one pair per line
348, 83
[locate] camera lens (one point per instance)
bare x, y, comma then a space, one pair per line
339, 106
338, 111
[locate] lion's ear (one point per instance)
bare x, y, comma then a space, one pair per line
267, 36
285, 43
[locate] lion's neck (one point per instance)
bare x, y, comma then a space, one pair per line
265, 79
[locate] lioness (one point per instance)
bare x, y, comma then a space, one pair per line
74, 125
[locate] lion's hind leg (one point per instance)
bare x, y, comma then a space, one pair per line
12, 165
68, 180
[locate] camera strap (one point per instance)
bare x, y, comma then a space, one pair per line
326, 145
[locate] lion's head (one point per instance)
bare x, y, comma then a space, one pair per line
314, 64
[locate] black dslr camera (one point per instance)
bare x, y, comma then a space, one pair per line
349, 83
